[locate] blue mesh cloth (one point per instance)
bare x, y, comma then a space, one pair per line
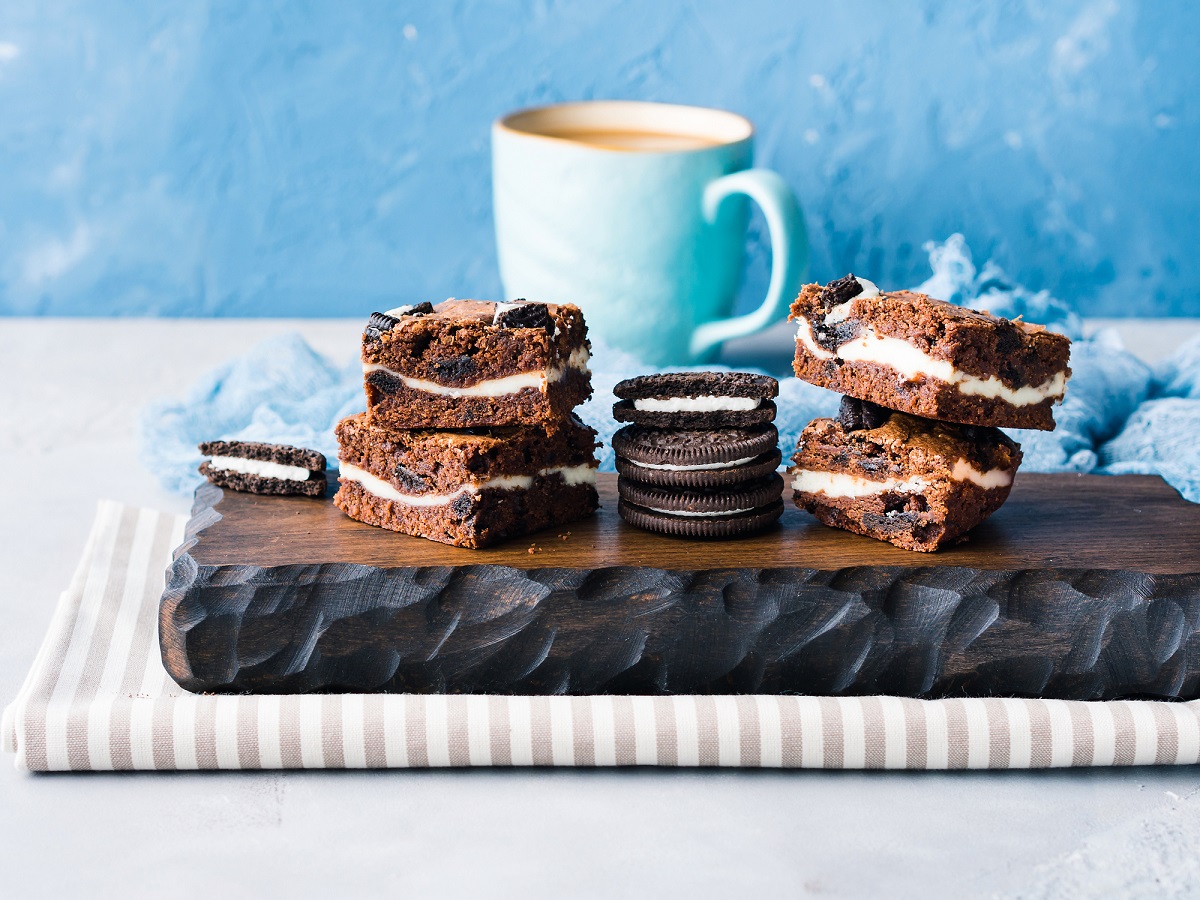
281, 392
1120, 416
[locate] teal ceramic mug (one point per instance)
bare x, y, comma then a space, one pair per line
637, 212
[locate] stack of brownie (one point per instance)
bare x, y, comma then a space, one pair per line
699, 457
469, 435
916, 457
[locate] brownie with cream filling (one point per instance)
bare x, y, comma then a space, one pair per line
470, 488
471, 363
925, 357
910, 481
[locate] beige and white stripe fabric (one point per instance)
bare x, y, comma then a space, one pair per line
98, 698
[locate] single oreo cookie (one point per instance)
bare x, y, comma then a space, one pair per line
734, 500
707, 458
721, 525
737, 510
264, 468
697, 400
758, 467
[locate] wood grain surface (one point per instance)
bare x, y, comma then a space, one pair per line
1080, 521
1079, 588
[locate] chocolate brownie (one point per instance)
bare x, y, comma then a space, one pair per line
692, 400
720, 456
925, 357
471, 363
913, 482
471, 487
264, 468
699, 513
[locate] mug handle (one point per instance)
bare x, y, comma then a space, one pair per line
789, 247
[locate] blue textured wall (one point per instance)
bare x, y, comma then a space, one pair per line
317, 159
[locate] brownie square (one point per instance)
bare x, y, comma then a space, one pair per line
470, 488
913, 482
472, 363
925, 357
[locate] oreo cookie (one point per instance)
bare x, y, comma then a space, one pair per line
523, 314
740, 510
694, 400
379, 322
258, 468
838, 292
696, 459
861, 415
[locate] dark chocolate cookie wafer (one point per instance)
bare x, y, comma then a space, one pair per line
625, 411
714, 527
742, 509
697, 400
698, 459
756, 468
259, 468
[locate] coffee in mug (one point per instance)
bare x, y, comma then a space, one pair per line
637, 213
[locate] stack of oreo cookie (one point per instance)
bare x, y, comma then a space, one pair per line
916, 456
469, 435
698, 458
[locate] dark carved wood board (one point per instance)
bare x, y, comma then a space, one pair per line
1080, 586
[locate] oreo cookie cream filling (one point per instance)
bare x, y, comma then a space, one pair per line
259, 468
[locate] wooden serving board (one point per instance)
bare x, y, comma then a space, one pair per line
1080, 587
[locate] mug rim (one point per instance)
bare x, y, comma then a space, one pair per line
729, 128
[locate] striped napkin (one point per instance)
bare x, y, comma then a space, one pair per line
98, 698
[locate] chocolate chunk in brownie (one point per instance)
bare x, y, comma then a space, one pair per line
259, 468
856, 415
913, 482
523, 314
912, 353
840, 291
471, 363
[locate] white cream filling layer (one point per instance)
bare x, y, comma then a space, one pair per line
492, 387
839, 484
841, 312
705, 403
260, 467
914, 363
681, 513
703, 467
572, 475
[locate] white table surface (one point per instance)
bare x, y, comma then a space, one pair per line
70, 391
